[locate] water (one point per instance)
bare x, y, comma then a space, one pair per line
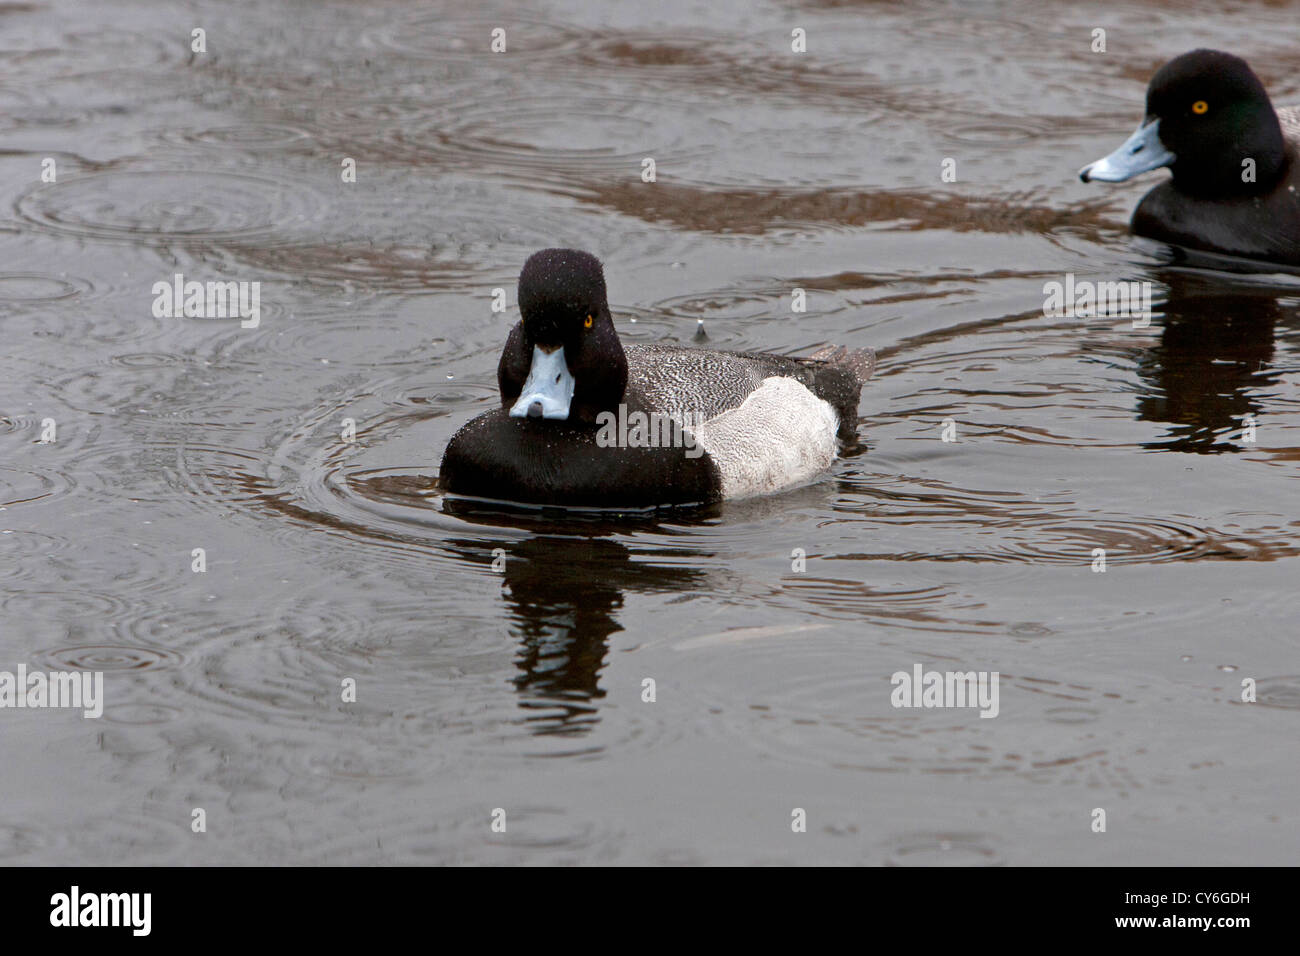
521, 688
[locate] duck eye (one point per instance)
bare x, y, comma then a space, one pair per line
586, 323
1200, 107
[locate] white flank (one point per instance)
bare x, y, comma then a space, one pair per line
781, 435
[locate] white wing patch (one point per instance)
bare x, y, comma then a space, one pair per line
1289, 118
781, 435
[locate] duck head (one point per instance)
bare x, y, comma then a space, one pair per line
563, 360
1206, 114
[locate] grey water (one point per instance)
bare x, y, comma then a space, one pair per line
499, 657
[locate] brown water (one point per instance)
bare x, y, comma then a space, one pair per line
521, 690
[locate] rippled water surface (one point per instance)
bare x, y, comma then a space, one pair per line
499, 656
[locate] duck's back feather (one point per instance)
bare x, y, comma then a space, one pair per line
706, 383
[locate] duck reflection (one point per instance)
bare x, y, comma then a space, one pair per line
564, 594
1212, 364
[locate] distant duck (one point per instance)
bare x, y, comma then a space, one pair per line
586, 421
1235, 161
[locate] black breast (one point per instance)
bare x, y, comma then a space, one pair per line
1265, 227
551, 462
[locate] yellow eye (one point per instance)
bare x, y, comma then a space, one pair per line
1200, 106
586, 323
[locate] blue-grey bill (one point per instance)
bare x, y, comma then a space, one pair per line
1140, 153
548, 390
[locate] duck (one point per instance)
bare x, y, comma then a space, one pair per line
585, 421
1235, 161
